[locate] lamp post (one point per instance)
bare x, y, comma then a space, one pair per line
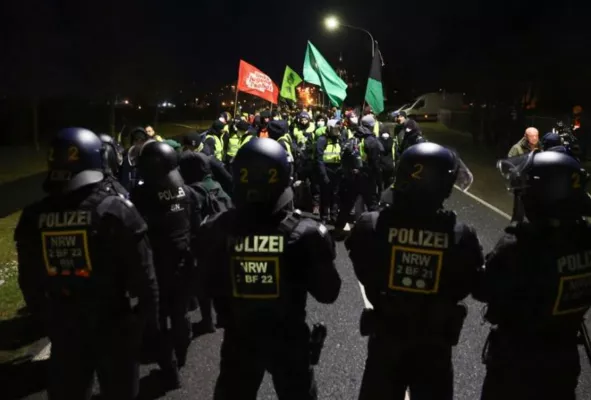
332, 23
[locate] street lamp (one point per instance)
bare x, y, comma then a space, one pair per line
332, 23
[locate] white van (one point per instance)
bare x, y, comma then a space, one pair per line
426, 107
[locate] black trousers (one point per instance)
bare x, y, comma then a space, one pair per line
393, 365
351, 187
175, 324
329, 192
245, 358
528, 370
78, 350
310, 177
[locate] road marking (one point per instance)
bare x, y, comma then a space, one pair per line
484, 203
43, 354
365, 300
185, 126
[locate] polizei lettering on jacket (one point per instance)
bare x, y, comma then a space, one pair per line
64, 219
171, 195
419, 238
260, 244
574, 262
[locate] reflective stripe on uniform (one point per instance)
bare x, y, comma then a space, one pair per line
362, 152
332, 153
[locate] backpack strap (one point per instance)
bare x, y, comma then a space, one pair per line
289, 223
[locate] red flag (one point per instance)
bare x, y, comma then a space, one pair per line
251, 80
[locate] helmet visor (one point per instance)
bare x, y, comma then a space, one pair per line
464, 177
514, 171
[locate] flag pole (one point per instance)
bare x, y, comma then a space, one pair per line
271, 106
236, 101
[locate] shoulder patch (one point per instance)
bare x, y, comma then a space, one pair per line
322, 230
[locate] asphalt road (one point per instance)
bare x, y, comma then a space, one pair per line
341, 367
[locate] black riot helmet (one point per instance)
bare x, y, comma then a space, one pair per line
75, 160
112, 154
426, 175
261, 177
157, 164
551, 185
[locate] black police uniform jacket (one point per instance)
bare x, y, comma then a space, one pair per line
170, 212
259, 274
84, 254
537, 282
415, 269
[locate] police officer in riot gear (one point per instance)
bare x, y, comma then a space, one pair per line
195, 169
169, 207
417, 263
246, 250
128, 174
536, 282
112, 160
83, 252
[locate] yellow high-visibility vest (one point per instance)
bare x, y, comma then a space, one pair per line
332, 153
218, 150
233, 145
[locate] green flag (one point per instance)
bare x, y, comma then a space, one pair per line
374, 94
318, 71
290, 81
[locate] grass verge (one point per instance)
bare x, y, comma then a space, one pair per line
10, 296
17, 332
18, 162
174, 129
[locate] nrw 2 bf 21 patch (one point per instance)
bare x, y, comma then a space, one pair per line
255, 277
415, 270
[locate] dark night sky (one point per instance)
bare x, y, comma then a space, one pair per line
52, 47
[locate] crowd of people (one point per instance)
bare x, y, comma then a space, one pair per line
127, 242
333, 160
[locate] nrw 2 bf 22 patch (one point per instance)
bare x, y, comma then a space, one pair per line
415, 270
255, 277
66, 253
